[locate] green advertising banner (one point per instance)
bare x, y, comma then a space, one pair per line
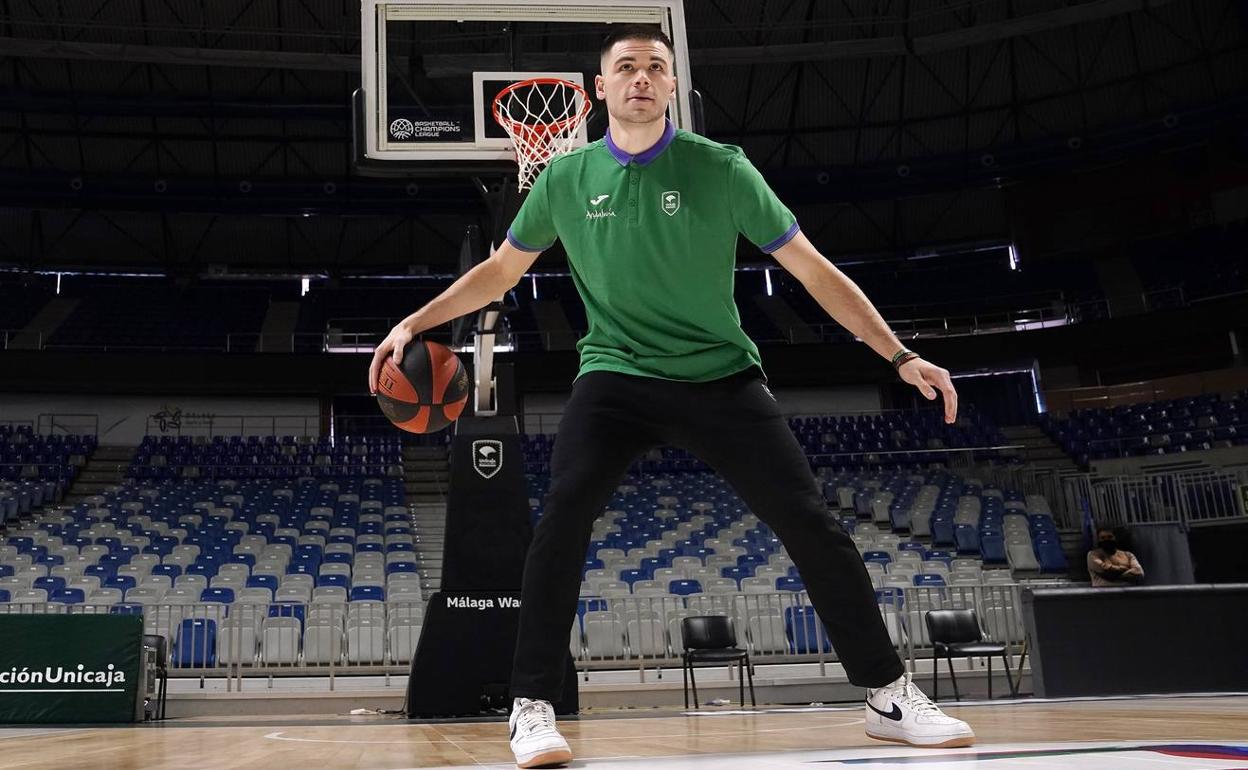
66, 669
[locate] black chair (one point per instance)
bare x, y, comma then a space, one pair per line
159, 644
957, 633
711, 639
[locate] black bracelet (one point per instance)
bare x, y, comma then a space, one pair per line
902, 357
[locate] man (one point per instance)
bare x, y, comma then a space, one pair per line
1111, 567
649, 217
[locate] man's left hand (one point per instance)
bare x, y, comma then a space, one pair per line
929, 378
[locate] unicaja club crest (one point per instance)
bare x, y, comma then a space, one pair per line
487, 457
671, 202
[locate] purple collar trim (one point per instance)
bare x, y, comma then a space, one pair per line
644, 157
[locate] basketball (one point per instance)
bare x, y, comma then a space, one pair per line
427, 390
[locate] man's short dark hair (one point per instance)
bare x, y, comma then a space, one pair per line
636, 32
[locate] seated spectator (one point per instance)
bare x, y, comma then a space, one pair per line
1110, 566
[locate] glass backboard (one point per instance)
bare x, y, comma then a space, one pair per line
431, 70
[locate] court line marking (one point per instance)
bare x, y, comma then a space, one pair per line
277, 736
462, 750
41, 733
1172, 761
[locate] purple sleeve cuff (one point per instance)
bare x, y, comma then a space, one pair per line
519, 244
788, 236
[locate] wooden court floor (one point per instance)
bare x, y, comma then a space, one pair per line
1100, 734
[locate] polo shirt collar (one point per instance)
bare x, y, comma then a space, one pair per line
644, 157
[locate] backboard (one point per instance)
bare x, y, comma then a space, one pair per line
431, 70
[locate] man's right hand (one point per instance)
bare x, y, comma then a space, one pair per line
392, 346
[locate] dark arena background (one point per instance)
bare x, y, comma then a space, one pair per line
216, 551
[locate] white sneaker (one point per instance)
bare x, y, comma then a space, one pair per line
901, 713
535, 740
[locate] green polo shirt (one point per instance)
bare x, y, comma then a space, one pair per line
651, 241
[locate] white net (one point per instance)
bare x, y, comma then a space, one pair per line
542, 117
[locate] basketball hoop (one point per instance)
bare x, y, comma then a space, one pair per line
542, 117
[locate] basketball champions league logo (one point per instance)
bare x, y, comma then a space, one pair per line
487, 457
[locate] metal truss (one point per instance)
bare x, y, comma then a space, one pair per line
183, 133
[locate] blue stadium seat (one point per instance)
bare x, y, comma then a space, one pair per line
652, 563
790, 583
341, 581
221, 595
877, 557
171, 571
206, 568
631, 576
49, 584
992, 548
967, 539
124, 582
195, 645
893, 597
368, 594
751, 560
684, 587
1050, 555
801, 626
263, 581
929, 580
67, 596
589, 605
287, 610
943, 531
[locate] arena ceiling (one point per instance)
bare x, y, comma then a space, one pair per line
178, 134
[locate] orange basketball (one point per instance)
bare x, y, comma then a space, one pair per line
427, 391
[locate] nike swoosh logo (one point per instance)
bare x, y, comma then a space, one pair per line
894, 715
599, 199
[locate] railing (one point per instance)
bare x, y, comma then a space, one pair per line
1154, 438
178, 423
1032, 480
1218, 381
536, 421
34, 471
261, 640
776, 627
346, 338
70, 424
268, 470
959, 457
1186, 498
379, 425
